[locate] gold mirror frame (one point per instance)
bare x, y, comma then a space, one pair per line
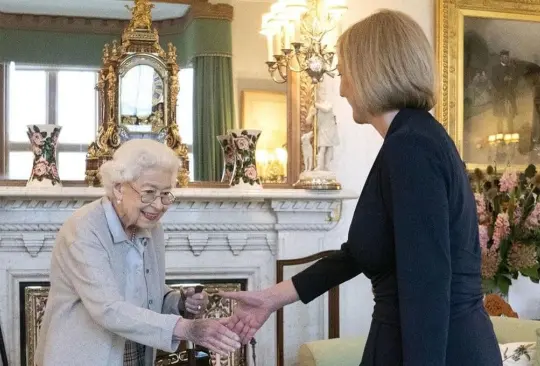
139, 45
449, 25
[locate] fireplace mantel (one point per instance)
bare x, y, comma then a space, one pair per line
211, 233
30, 217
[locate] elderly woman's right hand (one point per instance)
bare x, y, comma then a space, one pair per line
209, 333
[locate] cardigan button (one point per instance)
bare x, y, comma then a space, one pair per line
150, 302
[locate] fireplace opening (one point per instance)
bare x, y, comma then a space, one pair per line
33, 298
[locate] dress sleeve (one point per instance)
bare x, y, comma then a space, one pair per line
86, 264
416, 191
326, 274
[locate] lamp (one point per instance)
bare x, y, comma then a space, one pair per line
272, 165
300, 36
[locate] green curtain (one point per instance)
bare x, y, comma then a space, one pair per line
213, 113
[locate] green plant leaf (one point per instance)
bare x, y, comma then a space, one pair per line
489, 286
503, 283
531, 272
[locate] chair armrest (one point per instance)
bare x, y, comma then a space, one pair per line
332, 352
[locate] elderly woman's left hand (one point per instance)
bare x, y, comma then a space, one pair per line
194, 303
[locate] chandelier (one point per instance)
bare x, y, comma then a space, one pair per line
301, 35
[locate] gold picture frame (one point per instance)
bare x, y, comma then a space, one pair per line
467, 55
35, 299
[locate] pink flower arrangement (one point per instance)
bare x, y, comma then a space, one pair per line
509, 181
501, 229
508, 208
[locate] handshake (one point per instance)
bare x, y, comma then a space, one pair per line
224, 335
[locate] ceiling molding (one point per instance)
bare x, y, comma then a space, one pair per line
62, 24
199, 9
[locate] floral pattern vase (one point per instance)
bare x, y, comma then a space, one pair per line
43, 140
245, 143
229, 157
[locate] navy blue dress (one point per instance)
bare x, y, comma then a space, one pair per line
414, 234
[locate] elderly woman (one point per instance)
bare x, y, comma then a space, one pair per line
108, 303
414, 233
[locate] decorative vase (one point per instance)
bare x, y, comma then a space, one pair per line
43, 141
245, 144
229, 157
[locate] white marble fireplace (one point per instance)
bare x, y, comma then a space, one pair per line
210, 234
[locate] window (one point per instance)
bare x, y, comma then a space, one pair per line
184, 113
67, 97
50, 95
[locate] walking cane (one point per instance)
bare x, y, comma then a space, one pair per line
190, 347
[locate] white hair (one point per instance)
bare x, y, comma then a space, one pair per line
133, 157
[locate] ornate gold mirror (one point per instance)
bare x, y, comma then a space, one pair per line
137, 89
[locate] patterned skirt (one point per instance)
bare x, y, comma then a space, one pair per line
133, 354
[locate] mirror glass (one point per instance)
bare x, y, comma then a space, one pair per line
142, 100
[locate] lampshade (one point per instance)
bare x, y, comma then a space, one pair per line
294, 8
336, 8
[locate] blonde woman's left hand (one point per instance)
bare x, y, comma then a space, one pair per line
195, 303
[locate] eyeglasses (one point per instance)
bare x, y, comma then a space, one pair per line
149, 196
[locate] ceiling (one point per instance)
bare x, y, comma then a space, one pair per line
112, 9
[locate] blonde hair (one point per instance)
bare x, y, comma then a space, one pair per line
132, 158
389, 62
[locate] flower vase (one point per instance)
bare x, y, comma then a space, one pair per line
245, 174
43, 141
229, 157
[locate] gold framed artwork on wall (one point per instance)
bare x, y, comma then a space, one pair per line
489, 69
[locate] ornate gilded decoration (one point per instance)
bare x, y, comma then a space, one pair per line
141, 15
35, 299
307, 99
139, 48
218, 307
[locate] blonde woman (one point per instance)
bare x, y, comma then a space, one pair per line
108, 303
414, 233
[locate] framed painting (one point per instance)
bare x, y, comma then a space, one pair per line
489, 68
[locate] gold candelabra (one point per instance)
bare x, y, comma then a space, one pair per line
301, 35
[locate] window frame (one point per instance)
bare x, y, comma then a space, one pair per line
3, 121
52, 71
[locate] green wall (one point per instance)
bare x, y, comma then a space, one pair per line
201, 37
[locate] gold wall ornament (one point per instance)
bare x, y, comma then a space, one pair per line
139, 54
496, 25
